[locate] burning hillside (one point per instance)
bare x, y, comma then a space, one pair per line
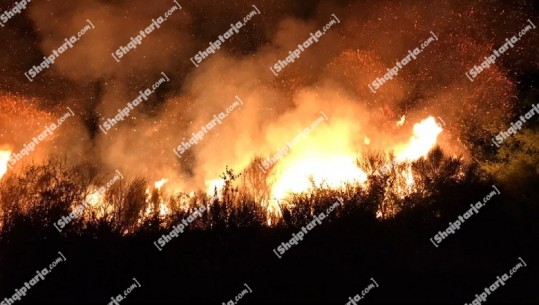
322, 157
301, 130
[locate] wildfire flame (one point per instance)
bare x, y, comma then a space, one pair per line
155, 201
214, 184
322, 169
4, 158
159, 184
324, 160
164, 210
423, 140
328, 161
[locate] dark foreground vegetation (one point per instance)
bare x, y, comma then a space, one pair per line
232, 243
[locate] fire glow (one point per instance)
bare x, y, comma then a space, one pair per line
423, 140
4, 159
326, 159
329, 161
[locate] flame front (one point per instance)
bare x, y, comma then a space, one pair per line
329, 161
319, 168
326, 159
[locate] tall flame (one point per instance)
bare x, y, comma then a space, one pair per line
422, 141
322, 159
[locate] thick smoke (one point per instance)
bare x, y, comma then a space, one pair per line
331, 76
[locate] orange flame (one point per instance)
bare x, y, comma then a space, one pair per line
423, 140
329, 162
164, 210
322, 159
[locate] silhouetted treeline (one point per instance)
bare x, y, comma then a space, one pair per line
376, 233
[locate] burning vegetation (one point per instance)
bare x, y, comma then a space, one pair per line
366, 141
324, 161
384, 112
